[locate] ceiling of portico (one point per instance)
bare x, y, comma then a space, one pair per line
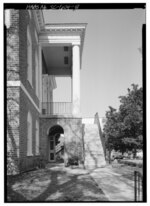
58, 60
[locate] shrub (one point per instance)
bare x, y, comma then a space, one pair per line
74, 160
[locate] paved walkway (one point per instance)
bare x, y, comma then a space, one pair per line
114, 186
65, 184
56, 183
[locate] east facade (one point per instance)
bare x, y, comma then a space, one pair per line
37, 127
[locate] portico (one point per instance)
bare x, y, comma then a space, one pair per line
60, 52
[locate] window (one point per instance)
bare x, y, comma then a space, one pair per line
36, 74
66, 48
37, 138
29, 56
65, 60
29, 134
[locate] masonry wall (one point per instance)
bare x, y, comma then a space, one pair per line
18, 103
72, 132
27, 162
13, 95
24, 21
13, 128
12, 47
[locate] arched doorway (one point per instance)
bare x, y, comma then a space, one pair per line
56, 144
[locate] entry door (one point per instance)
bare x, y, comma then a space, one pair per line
52, 149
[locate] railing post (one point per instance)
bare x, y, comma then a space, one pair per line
138, 186
142, 188
135, 186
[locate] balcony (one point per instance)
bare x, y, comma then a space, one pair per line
56, 108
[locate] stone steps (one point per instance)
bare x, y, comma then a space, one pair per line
93, 150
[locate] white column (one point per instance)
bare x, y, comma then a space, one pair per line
8, 18
40, 77
76, 80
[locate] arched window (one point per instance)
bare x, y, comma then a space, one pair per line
29, 56
37, 138
29, 134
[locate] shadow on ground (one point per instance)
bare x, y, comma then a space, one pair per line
54, 184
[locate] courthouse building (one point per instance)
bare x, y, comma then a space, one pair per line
37, 127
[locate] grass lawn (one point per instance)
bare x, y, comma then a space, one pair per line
126, 170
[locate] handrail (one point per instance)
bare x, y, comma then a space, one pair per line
56, 108
96, 121
58, 147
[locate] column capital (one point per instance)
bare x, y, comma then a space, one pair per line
76, 43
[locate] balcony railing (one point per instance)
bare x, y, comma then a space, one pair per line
57, 108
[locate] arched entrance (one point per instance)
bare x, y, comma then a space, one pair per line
56, 144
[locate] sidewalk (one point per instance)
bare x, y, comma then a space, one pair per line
114, 186
57, 183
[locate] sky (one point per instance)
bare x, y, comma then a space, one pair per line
111, 61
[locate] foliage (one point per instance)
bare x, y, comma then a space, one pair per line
124, 128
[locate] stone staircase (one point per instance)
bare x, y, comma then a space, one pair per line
93, 149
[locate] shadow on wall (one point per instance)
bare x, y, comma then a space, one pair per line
16, 163
12, 67
74, 144
102, 139
93, 155
87, 150
12, 132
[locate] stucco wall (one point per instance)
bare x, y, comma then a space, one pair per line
72, 133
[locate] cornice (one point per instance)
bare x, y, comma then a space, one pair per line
66, 27
64, 31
